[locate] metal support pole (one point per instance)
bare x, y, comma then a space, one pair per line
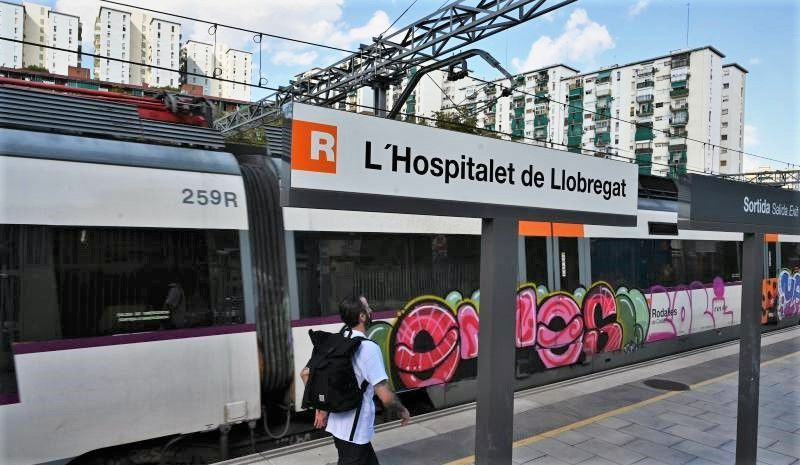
494, 430
749, 349
379, 100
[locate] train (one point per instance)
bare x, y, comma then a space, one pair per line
152, 286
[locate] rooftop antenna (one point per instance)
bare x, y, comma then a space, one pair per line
687, 24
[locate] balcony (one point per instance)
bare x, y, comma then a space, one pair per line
575, 91
675, 93
540, 133
602, 90
679, 118
643, 133
602, 114
644, 98
602, 126
643, 147
645, 162
680, 62
540, 121
681, 107
647, 83
602, 103
602, 139
677, 135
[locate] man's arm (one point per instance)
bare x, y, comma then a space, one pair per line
320, 416
391, 402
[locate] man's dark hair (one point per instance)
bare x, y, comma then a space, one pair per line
349, 310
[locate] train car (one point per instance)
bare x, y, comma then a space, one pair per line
151, 286
589, 297
126, 308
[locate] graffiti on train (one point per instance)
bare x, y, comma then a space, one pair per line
788, 293
435, 340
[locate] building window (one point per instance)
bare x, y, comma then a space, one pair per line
724, 111
724, 137
725, 86
723, 162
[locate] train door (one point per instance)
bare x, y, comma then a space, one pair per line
568, 263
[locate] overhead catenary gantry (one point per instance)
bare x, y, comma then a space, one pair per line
388, 59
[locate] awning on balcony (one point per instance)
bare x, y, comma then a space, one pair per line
643, 133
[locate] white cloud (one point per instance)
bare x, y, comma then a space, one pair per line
750, 136
582, 41
638, 7
288, 58
754, 61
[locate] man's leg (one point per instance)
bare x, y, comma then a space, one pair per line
371, 458
355, 454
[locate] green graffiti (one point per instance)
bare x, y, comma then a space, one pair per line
380, 332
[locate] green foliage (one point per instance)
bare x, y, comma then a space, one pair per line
461, 120
37, 68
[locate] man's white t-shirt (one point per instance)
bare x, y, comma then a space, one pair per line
367, 365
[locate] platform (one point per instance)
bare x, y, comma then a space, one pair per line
610, 418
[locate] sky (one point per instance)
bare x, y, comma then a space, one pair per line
763, 36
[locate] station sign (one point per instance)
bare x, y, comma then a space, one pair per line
347, 161
715, 204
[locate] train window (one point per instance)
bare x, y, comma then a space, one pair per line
790, 255
772, 259
389, 269
68, 282
641, 263
536, 260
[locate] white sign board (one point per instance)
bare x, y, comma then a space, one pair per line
337, 152
55, 192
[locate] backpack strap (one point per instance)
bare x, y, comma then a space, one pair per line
364, 385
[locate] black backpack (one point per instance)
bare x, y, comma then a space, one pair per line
332, 384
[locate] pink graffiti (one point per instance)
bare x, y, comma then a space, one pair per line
426, 346
526, 317
603, 333
688, 308
468, 328
559, 331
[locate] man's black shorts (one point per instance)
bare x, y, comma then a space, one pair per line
355, 454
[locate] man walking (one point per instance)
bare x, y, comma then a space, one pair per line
351, 434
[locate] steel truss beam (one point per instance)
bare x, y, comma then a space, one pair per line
388, 59
788, 179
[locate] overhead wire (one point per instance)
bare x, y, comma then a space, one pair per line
567, 105
543, 143
316, 44
398, 18
136, 63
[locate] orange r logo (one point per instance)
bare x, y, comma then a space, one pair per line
313, 147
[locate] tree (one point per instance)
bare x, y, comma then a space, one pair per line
37, 68
461, 120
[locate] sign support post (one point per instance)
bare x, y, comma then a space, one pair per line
749, 349
494, 429
713, 204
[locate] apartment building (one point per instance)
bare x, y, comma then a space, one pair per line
202, 62
731, 158
64, 33
198, 58
12, 20
112, 39
139, 38
163, 51
42, 25
674, 100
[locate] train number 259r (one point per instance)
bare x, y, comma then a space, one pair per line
212, 197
